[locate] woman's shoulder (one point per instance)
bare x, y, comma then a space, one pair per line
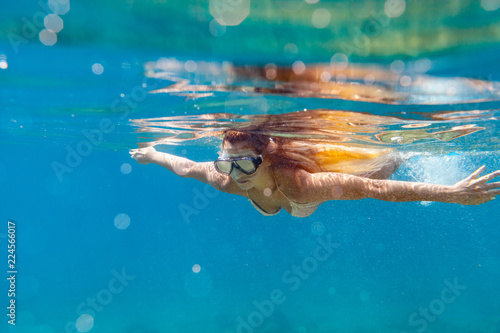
291, 180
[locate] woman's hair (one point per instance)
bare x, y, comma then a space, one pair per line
256, 142
300, 140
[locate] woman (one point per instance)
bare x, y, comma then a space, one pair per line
275, 172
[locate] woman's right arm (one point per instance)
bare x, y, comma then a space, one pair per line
319, 187
204, 172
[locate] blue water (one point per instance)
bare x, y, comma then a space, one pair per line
192, 260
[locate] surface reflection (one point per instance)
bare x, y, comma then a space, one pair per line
338, 80
310, 126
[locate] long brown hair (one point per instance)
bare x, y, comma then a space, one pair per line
290, 143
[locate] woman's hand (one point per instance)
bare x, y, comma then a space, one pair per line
143, 155
474, 190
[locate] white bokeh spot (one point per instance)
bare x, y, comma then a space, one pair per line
229, 12
122, 221
490, 5
97, 69
321, 18
394, 8
47, 37
126, 168
53, 23
84, 323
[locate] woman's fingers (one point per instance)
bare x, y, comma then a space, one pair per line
476, 173
491, 186
494, 192
486, 178
489, 177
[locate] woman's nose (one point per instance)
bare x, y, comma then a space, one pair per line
236, 174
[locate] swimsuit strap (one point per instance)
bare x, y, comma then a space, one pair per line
298, 209
262, 211
278, 187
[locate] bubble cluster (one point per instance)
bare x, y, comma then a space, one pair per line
53, 23
429, 169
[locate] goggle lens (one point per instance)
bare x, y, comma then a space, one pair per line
246, 166
224, 166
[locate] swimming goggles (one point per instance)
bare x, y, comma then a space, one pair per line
247, 165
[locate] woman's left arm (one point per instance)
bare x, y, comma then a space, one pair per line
319, 187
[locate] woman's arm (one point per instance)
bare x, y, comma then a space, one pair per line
336, 186
204, 172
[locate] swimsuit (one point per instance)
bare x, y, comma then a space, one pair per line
263, 212
298, 209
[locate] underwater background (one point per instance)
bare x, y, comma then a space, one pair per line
104, 244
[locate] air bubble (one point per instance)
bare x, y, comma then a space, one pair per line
126, 168
122, 221
321, 18
84, 323
47, 37
299, 67
97, 69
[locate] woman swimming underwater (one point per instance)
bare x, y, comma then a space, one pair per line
276, 171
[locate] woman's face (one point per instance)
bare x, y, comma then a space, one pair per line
244, 181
